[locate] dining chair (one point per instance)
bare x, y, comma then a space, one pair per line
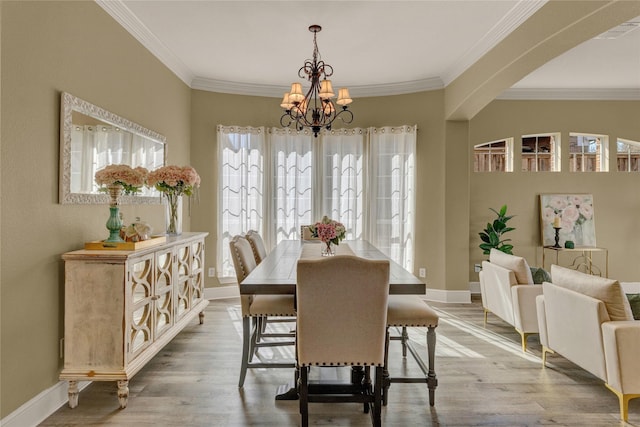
257, 245
260, 253
306, 235
342, 321
405, 311
255, 307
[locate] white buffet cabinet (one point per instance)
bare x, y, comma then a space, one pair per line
122, 307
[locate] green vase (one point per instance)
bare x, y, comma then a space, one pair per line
114, 224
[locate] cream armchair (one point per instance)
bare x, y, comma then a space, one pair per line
588, 320
508, 291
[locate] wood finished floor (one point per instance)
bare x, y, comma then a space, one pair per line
484, 380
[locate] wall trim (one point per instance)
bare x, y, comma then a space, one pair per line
454, 297
36, 410
222, 292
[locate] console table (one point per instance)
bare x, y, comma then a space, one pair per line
122, 307
582, 258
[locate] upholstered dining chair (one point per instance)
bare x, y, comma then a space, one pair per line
342, 321
411, 311
260, 253
306, 235
257, 245
255, 307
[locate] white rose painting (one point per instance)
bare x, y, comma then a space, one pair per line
573, 213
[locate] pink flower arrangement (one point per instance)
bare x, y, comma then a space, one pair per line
130, 179
328, 230
174, 180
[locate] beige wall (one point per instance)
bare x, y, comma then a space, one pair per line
616, 194
423, 109
49, 47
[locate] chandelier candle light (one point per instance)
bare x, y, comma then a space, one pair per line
315, 110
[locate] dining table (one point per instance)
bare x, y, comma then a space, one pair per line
276, 274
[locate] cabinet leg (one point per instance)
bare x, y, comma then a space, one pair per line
123, 393
201, 317
73, 393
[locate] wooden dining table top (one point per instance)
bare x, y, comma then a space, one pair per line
276, 274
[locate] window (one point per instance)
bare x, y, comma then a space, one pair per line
628, 157
278, 180
541, 153
588, 153
496, 156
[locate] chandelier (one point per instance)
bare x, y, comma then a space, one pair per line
315, 110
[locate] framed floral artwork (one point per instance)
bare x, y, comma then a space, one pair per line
573, 213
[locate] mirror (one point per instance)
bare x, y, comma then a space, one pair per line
92, 138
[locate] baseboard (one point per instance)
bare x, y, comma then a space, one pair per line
222, 292
40, 407
474, 288
439, 295
631, 287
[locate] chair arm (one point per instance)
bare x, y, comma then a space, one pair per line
542, 321
495, 286
524, 307
621, 349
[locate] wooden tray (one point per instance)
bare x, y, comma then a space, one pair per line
124, 246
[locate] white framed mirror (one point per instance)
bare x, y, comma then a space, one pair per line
92, 138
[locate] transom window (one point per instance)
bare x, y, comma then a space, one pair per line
541, 153
628, 155
495, 156
588, 152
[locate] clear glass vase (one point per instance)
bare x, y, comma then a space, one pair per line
173, 215
328, 249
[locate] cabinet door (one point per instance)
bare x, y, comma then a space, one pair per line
140, 304
197, 272
182, 293
163, 293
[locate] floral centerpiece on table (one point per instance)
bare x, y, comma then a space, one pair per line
174, 182
328, 231
113, 179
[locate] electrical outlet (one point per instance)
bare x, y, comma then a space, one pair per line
477, 268
422, 272
212, 272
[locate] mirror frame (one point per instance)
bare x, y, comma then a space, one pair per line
70, 103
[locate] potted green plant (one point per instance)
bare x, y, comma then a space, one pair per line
492, 235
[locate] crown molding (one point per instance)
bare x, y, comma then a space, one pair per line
250, 89
512, 20
130, 22
577, 94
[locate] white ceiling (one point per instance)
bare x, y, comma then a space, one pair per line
375, 47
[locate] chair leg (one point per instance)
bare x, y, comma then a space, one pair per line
405, 338
432, 380
486, 312
366, 387
246, 332
377, 398
304, 395
385, 375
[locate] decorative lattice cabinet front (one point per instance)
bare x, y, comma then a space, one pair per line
122, 307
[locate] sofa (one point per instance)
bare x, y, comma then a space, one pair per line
587, 319
508, 291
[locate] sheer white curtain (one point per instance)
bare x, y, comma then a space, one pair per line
343, 179
292, 158
278, 181
392, 181
241, 201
